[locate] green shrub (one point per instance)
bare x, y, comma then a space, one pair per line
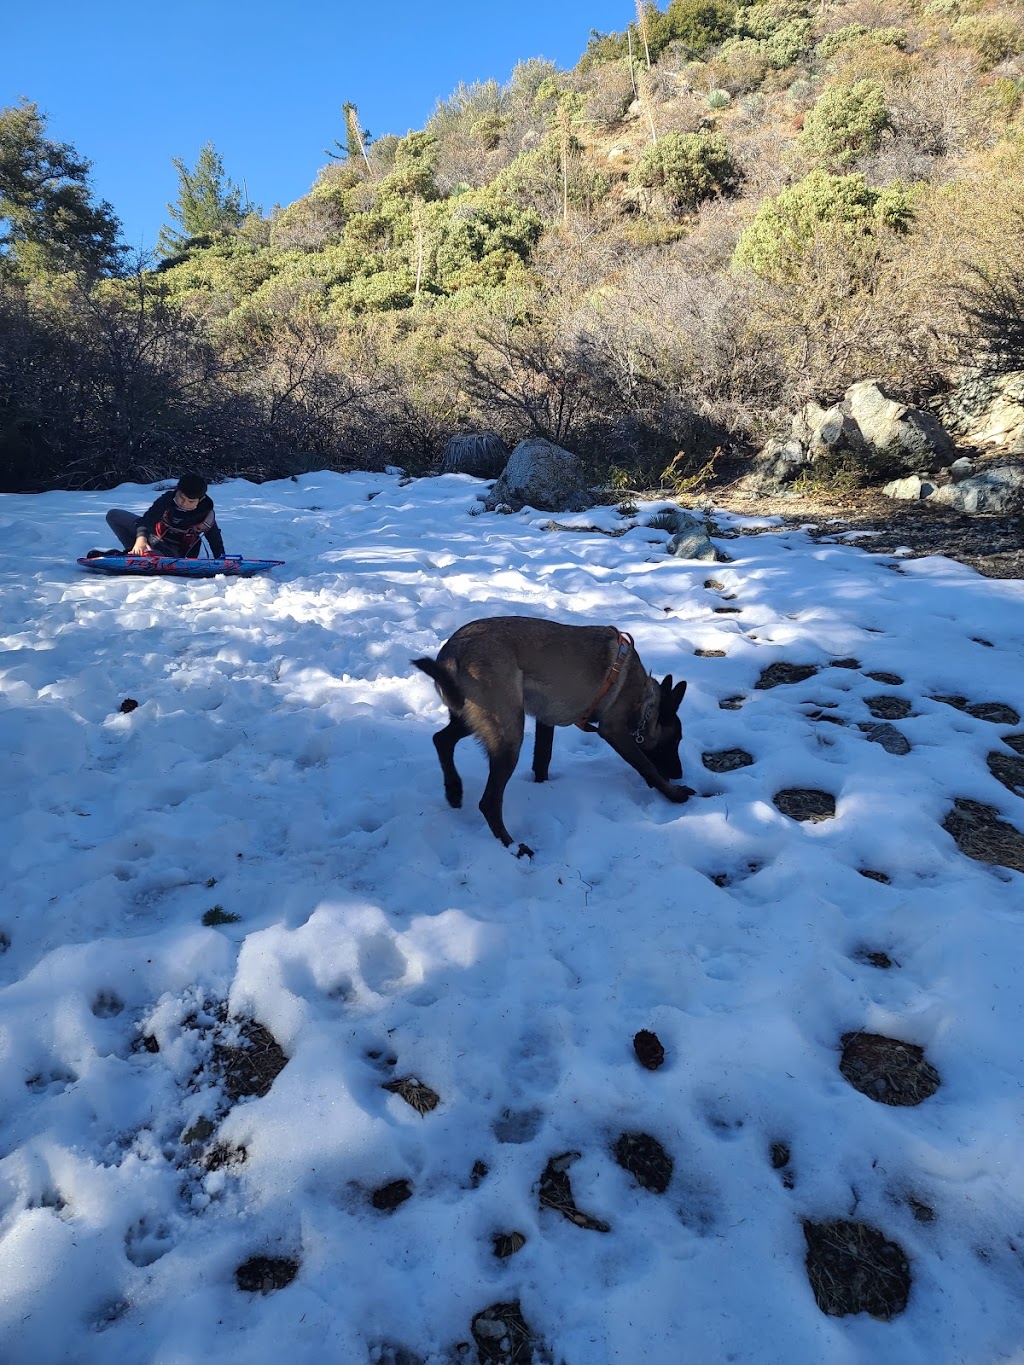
1002, 100
480, 239
688, 168
832, 42
846, 121
218, 915
786, 225
699, 24
741, 64
994, 37
859, 33
487, 131
719, 99
762, 20
783, 29
788, 43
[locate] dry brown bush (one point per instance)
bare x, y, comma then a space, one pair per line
970, 246
938, 110
850, 311
609, 92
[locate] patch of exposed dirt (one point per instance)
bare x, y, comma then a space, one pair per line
502, 1335
251, 1068
645, 1159
853, 1268
887, 707
888, 1070
1009, 770
993, 545
265, 1274
805, 804
726, 760
784, 674
981, 834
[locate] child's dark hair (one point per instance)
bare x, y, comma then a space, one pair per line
192, 486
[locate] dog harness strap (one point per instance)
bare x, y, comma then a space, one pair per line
625, 645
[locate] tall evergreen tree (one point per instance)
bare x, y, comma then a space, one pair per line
208, 202
48, 219
357, 139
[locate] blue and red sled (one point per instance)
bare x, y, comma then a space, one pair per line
232, 566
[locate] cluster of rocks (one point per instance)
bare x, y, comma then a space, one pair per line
539, 474
911, 447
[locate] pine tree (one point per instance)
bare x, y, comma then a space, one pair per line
48, 220
208, 203
357, 139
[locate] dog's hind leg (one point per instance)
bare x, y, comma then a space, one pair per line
543, 739
444, 742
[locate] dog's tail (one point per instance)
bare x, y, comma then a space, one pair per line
451, 692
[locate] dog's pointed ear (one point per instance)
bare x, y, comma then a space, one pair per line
671, 696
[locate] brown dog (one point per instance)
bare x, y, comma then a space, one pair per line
492, 673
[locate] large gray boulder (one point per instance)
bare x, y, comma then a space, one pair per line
998, 488
692, 543
781, 461
866, 429
542, 475
900, 439
911, 489
987, 411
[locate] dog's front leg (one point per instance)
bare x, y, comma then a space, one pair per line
626, 747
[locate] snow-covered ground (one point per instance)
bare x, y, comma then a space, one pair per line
279, 766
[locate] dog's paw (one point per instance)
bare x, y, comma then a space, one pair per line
524, 851
679, 794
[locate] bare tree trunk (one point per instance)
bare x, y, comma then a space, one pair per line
645, 99
632, 73
419, 247
641, 23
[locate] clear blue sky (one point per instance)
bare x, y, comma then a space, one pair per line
132, 86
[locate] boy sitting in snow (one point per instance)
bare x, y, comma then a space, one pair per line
173, 526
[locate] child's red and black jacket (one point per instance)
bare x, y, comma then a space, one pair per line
172, 531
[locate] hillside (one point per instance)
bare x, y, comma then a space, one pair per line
717, 215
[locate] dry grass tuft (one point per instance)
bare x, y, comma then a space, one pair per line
415, 1093
556, 1193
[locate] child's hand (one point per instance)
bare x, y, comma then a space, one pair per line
141, 546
